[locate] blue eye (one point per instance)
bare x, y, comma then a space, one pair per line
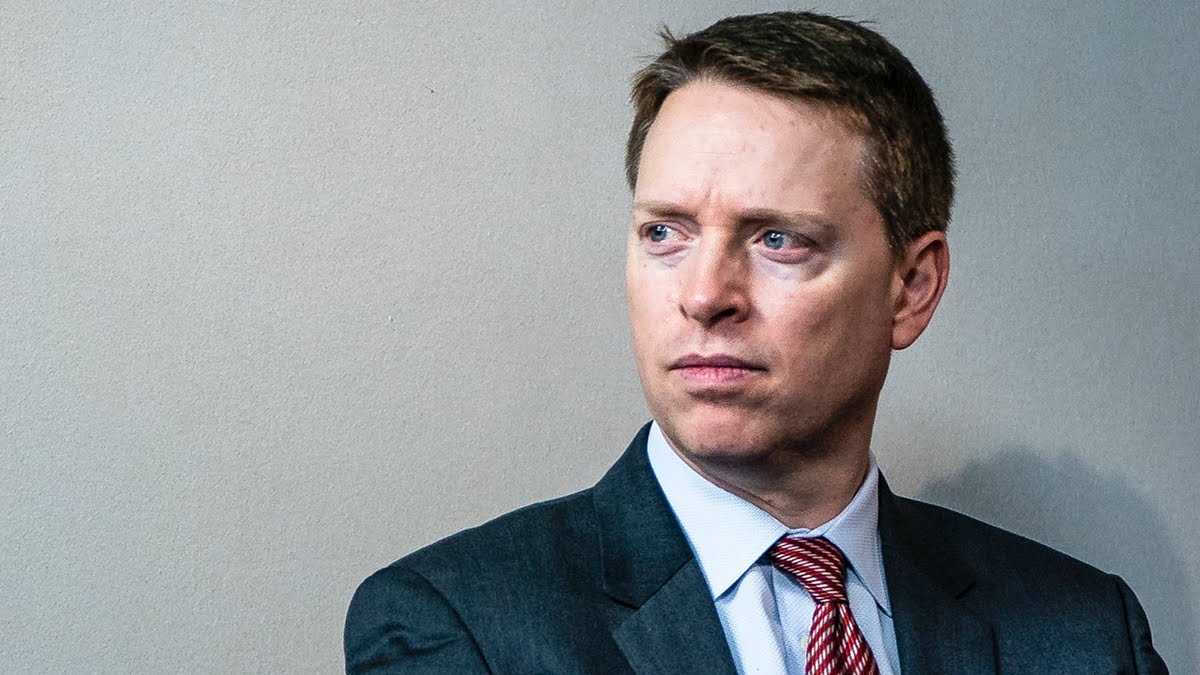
658, 233
775, 240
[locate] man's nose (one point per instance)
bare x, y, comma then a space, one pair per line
714, 287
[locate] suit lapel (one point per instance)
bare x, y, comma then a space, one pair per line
935, 631
668, 623
676, 630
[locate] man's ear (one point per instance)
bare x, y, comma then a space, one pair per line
921, 274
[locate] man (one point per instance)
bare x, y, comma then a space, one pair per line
792, 185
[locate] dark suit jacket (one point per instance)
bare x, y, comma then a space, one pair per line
603, 581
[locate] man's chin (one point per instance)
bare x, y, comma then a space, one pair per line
715, 438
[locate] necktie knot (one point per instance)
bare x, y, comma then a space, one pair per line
836, 645
816, 563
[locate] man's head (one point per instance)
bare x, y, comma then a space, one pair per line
773, 259
908, 168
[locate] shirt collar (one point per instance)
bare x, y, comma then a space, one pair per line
729, 534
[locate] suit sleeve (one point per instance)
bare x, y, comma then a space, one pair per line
1146, 660
399, 623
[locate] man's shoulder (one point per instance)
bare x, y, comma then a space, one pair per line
486, 590
520, 551
986, 546
546, 554
560, 523
1036, 598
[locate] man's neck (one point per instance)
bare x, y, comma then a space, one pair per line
798, 489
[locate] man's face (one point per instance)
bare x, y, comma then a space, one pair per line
761, 286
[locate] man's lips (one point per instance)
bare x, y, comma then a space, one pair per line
714, 369
714, 361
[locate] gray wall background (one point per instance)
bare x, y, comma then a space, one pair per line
291, 289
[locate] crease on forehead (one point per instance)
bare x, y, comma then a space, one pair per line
734, 118
841, 115
833, 118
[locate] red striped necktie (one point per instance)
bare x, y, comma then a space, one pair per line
836, 646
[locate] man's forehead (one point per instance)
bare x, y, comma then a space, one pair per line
707, 129
714, 97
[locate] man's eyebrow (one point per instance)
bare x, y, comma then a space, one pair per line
757, 217
775, 217
660, 209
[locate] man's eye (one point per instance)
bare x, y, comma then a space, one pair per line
778, 241
658, 233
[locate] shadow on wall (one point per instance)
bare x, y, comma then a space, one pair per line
1101, 519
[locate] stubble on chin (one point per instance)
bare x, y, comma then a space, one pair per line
746, 442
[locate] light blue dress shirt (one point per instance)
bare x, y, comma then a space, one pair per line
765, 613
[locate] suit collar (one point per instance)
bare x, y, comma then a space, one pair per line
927, 584
906, 537
641, 544
676, 630
673, 626
730, 534
648, 567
